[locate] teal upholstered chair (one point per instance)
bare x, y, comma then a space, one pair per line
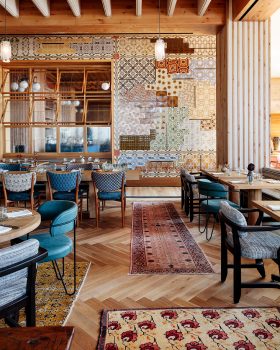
109, 186
64, 185
62, 216
213, 194
18, 186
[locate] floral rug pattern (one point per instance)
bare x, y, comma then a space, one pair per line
191, 329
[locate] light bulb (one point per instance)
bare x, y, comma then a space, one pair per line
159, 50
36, 87
21, 89
105, 85
6, 51
14, 86
76, 103
23, 84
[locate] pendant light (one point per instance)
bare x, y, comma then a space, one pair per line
5, 47
160, 44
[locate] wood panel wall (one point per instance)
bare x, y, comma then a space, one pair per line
247, 93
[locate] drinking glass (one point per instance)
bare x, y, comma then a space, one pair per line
3, 213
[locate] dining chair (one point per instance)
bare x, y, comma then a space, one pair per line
18, 186
18, 267
211, 194
62, 216
109, 186
64, 185
250, 242
10, 166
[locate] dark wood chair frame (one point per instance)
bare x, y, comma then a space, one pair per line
237, 266
10, 311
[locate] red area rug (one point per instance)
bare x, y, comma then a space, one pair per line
162, 244
191, 329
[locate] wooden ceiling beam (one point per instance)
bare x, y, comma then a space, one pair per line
11, 7
43, 6
138, 7
171, 4
75, 6
107, 7
250, 10
202, 6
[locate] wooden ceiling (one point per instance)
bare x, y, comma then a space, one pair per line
116, 16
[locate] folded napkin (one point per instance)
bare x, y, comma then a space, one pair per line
19, 213
217, 173
271, 181
238, 181
274, 207
4, 229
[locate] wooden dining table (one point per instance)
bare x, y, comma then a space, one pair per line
263, 206
20, 225
217, 174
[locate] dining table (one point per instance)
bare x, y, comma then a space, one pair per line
272, 208
19, 225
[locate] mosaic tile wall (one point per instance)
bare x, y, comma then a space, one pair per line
167, 109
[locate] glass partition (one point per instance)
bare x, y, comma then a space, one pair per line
17, 140
71, 139
98, 139
44, 139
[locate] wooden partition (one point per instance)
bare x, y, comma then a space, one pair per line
243, 93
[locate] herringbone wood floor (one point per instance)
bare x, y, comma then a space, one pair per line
109, 286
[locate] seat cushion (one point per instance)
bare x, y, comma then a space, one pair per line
113, 196
213, 205
58, 246
13, 291
258, 245
21, 196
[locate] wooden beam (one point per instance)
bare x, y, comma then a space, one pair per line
75, 6
252, 10
43, 6
171, 4
138, 7
107, 7
11, 7
202, 6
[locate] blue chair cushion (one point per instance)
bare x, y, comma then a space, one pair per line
110, 196
65, 195
213, 205
21, 196
58, 246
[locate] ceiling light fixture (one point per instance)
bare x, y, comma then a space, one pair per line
105, 86
160, 44
5, 47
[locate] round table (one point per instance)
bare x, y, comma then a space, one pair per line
25, 224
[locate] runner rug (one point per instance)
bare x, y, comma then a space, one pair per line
191, 329
162, 244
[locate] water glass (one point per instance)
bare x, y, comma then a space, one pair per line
3, 213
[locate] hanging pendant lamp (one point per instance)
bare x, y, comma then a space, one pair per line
5, 46
160, 44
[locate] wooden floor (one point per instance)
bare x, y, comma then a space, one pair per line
109, 286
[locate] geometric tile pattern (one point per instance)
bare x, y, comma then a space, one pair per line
175, 65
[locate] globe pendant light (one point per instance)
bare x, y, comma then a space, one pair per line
160, 44
5, 47
105, 86
36, 86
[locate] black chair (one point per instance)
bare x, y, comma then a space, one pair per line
17, 279
250, 242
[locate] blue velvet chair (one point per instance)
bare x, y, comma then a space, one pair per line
62, 216
64, 185
10, 166
211, 195
109, 186
18, 186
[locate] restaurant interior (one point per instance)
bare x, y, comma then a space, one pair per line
139, 174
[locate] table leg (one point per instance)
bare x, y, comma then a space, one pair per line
91, 201
257, 196
234, 196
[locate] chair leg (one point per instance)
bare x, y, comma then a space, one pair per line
224, 262
236, 279
123, 212
182, 198
260, 267
30, 312
97, 213
187, 205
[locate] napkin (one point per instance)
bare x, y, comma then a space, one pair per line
19, 213
217, 173
271, 181
4, 229
274, 207
238, 181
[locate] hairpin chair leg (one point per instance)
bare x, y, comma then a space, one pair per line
61, 275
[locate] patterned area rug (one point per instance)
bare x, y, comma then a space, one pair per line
52, 304
162, 244
191, 329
